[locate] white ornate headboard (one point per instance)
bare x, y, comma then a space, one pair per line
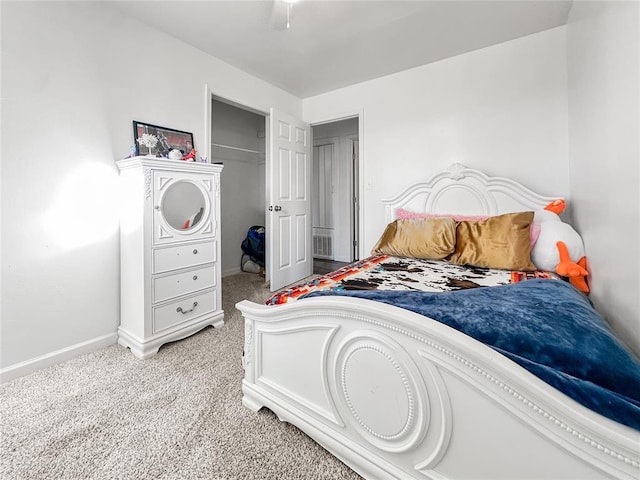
465, 191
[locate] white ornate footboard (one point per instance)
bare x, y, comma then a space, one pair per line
394, 394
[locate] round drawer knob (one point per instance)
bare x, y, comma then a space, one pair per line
195, 251
195, 277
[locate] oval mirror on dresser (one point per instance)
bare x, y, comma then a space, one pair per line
183, 205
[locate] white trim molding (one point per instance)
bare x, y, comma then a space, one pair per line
53, 358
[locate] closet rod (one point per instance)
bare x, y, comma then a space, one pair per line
236, 148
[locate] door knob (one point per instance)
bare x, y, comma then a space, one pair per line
277, 208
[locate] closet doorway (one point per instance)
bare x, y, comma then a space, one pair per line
238, 140
243, 139
335, 191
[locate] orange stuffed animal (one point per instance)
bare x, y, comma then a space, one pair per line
577, 272
557, 206
580, 282
557, 242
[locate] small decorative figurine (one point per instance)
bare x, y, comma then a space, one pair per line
175, 154
148, 141
190, 156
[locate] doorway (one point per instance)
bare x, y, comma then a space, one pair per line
266, 159
335, 192
238, 140
280, 199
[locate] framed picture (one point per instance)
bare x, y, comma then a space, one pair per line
168, 139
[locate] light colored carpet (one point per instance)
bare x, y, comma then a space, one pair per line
177, 415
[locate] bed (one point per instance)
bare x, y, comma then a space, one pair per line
396, 394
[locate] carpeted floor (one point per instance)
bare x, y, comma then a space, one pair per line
177, 415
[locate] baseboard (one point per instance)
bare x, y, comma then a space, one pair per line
232, 271
38, 363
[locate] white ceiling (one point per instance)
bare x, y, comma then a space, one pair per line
335, 43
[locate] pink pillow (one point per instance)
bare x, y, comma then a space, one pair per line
534, 233
401, 213
405, 214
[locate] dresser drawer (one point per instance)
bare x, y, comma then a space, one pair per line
178, 284
172, 258
183, 310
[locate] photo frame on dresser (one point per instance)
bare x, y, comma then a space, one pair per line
168, 139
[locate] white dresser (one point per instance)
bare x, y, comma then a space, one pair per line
169, 251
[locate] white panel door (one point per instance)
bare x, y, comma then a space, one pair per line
289, 207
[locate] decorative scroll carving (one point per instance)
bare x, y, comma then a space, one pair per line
456, 171
248, 341
479, 194
216, 179
148, 181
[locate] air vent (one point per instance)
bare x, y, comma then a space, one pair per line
323, 246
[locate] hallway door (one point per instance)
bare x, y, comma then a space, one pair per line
288, 235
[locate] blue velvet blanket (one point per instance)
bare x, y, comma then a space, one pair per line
547, 327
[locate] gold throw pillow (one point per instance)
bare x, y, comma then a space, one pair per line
433, 238
497, 242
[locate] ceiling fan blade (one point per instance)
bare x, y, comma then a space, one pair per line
279, 15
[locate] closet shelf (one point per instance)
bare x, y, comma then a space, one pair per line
236, 148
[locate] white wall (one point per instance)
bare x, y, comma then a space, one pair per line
242, 196
502, 109
342, 131
604, 102
74, 76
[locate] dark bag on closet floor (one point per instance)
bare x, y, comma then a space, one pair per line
253, 245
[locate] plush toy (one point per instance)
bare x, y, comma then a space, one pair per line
567, 267
175, 154
557, 244
553, 230
580, 282
576, 272
557, 206
191, 156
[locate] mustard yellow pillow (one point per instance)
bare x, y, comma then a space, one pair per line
433, 238
497, 242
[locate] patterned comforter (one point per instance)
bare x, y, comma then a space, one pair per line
383, 272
